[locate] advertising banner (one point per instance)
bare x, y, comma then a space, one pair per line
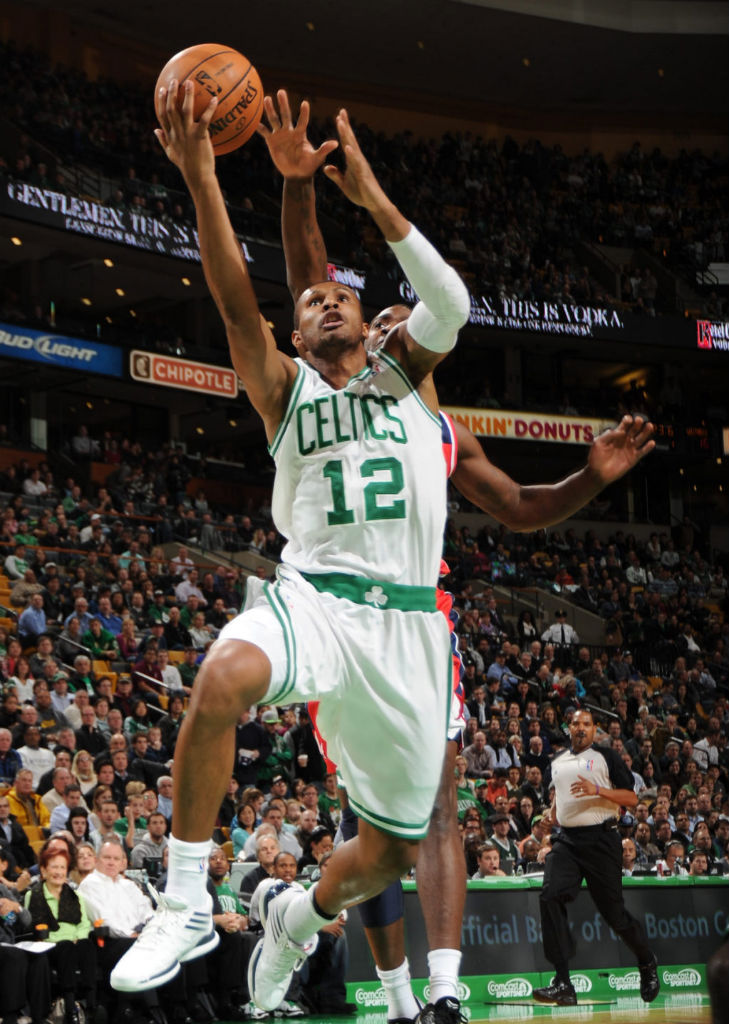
529, 426
57, 350
501, 933
173, 372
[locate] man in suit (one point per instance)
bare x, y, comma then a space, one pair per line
478, 707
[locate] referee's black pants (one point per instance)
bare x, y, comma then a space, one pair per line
594, 853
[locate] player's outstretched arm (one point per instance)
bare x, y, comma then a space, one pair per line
297, 160
266, 373
432, 328
611, 455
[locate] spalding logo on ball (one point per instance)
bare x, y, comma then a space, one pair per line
230, 77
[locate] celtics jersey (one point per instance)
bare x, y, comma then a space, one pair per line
360, 479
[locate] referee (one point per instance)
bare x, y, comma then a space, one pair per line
590, 785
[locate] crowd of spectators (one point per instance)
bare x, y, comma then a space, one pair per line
100, 649
509, 214
659, 685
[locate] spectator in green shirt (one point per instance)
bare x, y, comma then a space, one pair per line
329, 802
100, 642
59, 913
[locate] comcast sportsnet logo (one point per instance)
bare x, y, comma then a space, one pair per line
514, 988
581, 983
370, 997
687, 978
464, 993
626, 982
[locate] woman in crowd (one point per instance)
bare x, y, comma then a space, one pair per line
58, 915
138, 721
244, 826
82, 768
461, 767
21, 679
100, 795
127, 641
550, 726
13, 652
522, 815
200, 632
85, 862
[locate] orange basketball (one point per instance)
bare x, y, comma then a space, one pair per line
226, 74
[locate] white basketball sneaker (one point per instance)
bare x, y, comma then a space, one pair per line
175, 934
276, 956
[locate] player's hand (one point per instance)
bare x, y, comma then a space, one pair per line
583, 787
358, 182
187, 142
615, 452
290, 149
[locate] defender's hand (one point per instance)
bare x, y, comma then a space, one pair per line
290, 149
617, 451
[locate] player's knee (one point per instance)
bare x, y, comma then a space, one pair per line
397, 857
233, 676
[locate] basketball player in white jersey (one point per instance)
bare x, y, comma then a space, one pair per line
440, 867
360, 494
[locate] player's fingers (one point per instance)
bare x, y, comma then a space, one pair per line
187, 103
161, 137
344, 128
263, 130
284, 108
326, 148
303, 121
349, 130
271, 113
208, 113
173, 114
646, 448
643, 434
335, 174
164, 119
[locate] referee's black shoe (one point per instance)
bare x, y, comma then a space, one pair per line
562, 993
649, 984
444, 1011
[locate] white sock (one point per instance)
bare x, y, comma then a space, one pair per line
400, 999
187, 874
444, 965
302, 920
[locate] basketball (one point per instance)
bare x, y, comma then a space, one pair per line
230, 77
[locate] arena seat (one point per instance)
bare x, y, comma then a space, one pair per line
239, 869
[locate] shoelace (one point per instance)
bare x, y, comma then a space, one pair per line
165, 923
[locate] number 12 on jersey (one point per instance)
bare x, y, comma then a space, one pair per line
375, 492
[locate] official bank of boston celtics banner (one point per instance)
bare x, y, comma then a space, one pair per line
502, 943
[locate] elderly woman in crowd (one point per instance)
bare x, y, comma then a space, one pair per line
58, 915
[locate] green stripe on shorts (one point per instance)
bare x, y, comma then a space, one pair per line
282, 614
402, 829
373, 593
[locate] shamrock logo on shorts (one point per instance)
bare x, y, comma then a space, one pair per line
377, 597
